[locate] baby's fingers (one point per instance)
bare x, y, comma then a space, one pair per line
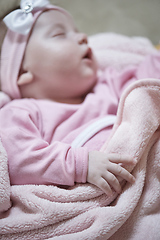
121, 172
105, 187
118, 158
113, 181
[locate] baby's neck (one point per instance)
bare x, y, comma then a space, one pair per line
32, 93
70, 101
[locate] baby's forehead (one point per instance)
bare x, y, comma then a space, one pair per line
53, 18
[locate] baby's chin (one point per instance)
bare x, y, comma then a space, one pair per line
92, 85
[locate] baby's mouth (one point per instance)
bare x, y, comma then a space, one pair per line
88, 54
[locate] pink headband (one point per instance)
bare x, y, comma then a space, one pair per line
20, 23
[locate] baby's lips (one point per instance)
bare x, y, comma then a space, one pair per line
88, 53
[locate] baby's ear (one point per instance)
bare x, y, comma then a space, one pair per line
25, 78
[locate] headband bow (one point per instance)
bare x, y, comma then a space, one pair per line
21, 20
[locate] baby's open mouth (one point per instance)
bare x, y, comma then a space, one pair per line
88, 54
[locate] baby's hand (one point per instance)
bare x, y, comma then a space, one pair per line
103, 170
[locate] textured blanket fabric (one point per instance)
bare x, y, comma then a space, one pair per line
83, 211
119, 51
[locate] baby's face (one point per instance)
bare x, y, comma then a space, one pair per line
59, 57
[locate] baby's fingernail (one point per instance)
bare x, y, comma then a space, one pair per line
133, 179
120, 191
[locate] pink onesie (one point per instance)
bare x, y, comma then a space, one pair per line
37, 134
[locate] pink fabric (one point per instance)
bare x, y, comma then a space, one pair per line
81, 212
12, 53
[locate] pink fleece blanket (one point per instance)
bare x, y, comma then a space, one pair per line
83, 211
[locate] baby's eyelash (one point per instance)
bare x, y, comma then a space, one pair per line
59, 34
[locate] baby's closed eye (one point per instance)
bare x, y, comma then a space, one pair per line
59, 34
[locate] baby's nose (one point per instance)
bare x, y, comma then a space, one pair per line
82, 38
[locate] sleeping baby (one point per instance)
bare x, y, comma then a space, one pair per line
50, 73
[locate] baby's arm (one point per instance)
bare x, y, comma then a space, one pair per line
31, 158
104, 170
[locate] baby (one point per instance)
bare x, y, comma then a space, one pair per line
50, 73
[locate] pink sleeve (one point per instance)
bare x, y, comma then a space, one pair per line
33, 160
